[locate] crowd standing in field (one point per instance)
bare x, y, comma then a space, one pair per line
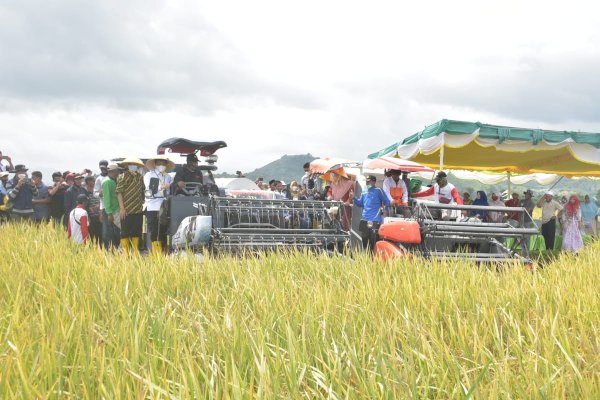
109, 208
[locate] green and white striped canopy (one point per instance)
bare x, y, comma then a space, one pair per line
481, 147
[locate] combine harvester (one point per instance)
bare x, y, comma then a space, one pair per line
244, 219
473, 146
451, 237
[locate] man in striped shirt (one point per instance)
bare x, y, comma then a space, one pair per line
130, 193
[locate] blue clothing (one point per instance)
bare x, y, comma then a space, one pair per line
481, 201
41, 211
589, 211
371, 201
21, 198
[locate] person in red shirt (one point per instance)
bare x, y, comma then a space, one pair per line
78, 226
513, 218
443, 191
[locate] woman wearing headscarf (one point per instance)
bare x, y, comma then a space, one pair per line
341, 186
480, 200
571, 222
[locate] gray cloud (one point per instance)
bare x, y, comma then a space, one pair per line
133, 55
558, 89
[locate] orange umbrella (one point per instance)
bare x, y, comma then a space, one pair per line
326, 164
395, 163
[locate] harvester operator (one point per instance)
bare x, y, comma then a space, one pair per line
396, 190
190, 173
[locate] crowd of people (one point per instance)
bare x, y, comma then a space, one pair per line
109, 207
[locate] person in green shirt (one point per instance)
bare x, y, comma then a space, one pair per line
111, 207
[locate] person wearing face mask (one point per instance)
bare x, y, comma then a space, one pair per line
157, 182
130, 194
21, 191
496, 216
190, 173
106, 226
443, 191
372, 201
71, 196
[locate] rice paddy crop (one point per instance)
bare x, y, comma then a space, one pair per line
77, 322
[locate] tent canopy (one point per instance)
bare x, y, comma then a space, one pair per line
490, 178
481, 147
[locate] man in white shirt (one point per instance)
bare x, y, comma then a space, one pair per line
443, 191
157, 182
395, 189
549, 208
496, 216
106, 226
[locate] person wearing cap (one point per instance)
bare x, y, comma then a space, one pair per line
130, 193
528, 204
71, 195
57, 197
41, 202
102, 165
78, 225
443, 191
69, 178
190, 173
4, 199
395, 189
21, 191
372, 201
549, 208
157, 182
111, 237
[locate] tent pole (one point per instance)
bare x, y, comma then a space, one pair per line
509, 184
442, 153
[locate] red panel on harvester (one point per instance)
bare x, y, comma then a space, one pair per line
387, 250
401, 231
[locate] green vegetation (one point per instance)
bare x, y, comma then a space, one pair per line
288, 168
81, 323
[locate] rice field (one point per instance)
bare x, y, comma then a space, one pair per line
77, 322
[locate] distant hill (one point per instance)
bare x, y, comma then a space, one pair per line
287, 168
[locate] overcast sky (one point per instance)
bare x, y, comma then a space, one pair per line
86, 80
